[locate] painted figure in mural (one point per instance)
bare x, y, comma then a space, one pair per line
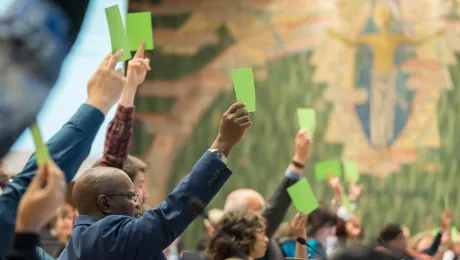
383, 93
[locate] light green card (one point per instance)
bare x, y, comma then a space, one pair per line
303, 197
307, 119
138, 29
41, 150
117, 32
326, 169
351, 171
243, 82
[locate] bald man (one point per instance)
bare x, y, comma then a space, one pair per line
274, 212
107, 202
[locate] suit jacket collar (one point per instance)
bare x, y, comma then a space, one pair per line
85, 220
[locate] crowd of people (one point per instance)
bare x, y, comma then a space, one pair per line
48, 213
102, 213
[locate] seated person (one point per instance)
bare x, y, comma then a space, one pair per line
246, 237
106, 227
54, 239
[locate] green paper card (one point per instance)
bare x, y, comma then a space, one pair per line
138, 29
307, 119
41, 150
435, 232
454, 234
326, 169
117, 32
351, 171
243, 82
303, 197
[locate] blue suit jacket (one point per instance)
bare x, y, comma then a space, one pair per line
123, 237
68, 148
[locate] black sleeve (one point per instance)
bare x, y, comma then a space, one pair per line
277, 206
433, 249
24, 247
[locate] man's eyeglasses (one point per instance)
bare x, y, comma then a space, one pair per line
129, 195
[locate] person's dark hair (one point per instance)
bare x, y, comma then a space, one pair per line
132, 166
242, 228
320, 217
390, 232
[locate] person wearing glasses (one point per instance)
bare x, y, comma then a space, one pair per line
107, 203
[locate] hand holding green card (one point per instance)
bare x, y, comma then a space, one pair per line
117, 32
351, 171
307, 119
243, 82
138, 29
326, 169
41, 150
303, 197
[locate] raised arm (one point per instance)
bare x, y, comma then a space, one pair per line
120, 129
70, 146
280, 201
160, 226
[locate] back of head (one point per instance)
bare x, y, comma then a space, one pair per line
246, 200
320, 217
390, 232
242, 228
132, 166
92, 183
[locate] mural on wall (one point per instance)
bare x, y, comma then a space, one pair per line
382, 76
385, 63
386, 70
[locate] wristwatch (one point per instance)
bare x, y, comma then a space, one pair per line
219, 155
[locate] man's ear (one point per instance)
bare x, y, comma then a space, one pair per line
103, 204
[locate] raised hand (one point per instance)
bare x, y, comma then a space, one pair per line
137, 68
446, 220
303, 142
299, 225
39, 203
233, 125
106, 84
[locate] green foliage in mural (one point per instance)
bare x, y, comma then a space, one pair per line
413, 196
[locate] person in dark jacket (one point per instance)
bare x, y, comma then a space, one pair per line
274, 211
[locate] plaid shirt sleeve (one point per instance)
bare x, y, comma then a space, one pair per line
117, 138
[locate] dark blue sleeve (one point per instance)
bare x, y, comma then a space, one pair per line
160, 226
433, 249
69, 148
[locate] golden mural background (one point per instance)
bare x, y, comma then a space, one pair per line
307, 53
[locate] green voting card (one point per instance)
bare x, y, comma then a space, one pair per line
326, 169
243, 82
138, 29
307, 119
303, 197
454, 234
351, 171
41, 150
117, 32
